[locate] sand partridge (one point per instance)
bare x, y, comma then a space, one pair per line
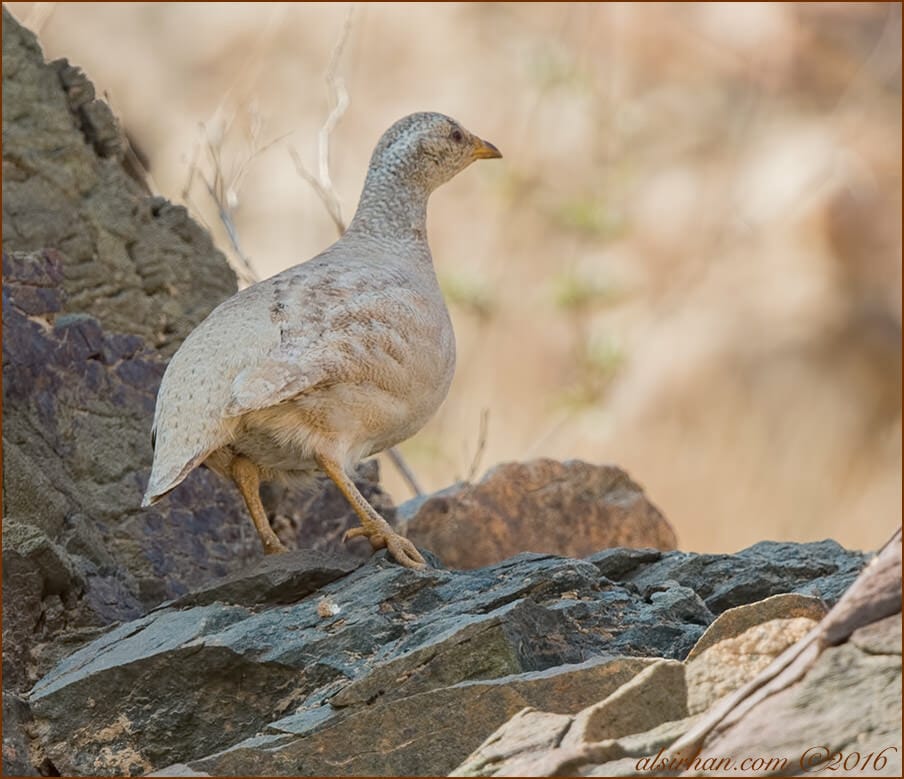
332, 360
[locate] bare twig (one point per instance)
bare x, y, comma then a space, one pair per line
322, 183
192, 169
223, 187
339, 96
327, 196
224, 193
481, 445
407, 474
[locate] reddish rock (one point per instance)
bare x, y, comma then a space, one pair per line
568, 508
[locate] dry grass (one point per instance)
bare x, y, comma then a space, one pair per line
688, 263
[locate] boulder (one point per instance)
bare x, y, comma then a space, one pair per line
848, 704
568, 508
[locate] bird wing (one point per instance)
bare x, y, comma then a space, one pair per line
312, 331
271, 382
270, 342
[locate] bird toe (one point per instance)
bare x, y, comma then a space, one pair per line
406, 553
402, 550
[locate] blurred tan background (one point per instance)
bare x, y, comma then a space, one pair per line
688, 262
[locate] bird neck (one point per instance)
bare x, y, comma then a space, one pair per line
391, 208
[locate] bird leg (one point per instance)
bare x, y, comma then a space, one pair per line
247, 478
373, 526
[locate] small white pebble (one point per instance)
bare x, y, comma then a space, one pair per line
326, 608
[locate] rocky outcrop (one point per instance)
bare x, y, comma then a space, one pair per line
159, 640
773, 688
97, 276
571, 508
344, 668
136, 263
78, 551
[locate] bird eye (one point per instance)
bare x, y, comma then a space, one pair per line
457, 136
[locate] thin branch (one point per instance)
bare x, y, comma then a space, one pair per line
322, 183
256, 147
222, 187
327, 197
481, 445
246, 271
339, 95
187, 199
192, 169
407, 474
224, 194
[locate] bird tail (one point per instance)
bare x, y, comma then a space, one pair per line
160, 485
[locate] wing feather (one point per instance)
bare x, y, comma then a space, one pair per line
270, 383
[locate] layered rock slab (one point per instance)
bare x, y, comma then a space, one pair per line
776, 687
365, 685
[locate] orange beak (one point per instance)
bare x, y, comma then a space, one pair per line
484, 150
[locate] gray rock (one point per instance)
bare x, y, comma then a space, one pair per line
848, 703
823, 569
137, 264
656, 695
177, 769
847, 708
359, 686
17, 759
732, 662
636, 720
786, 692
735, 621
284, 579
421, 734
78, 404
528, 736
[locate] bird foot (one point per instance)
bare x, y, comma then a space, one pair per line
274, 546
404, 552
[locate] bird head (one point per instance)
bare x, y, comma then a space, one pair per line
427, 149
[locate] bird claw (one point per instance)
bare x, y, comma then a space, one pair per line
376, 540
274, 546
403, 551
